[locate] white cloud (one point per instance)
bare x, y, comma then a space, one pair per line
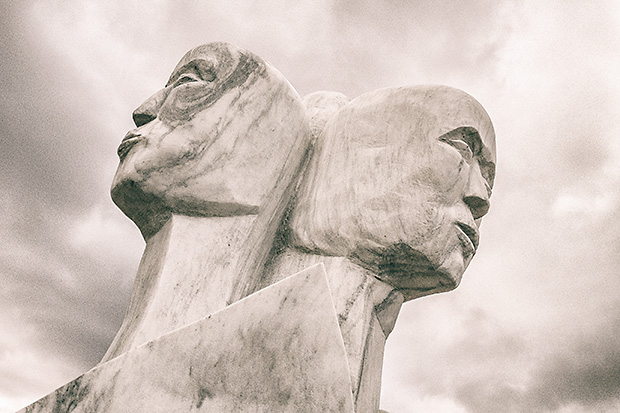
102, 50
105, 235
24, 374
404, 399
585, 205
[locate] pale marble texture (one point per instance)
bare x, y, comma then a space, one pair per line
366, 308
392, 203
392, 196
321, 106
206, 176
399, 182
213, 142
278, 350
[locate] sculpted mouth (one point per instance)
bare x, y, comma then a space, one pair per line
469, 237
127, 143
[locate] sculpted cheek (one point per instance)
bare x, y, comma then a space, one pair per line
450, 181
451, 162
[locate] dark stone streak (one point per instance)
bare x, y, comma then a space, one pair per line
203, 393
360, 374
147, 210
283, 234
246, 67
66, 399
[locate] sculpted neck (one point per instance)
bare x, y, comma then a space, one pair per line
367, 310
191, 268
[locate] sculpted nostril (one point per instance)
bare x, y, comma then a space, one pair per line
149, 109
142, 118
477, 193
478, 206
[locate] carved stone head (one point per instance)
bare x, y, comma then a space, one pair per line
212, 142
400, 181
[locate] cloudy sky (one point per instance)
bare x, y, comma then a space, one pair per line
535, 325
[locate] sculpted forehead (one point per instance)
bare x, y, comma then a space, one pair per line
219, 61
456, 109
407, 115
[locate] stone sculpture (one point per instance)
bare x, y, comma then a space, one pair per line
235, 184
391, 204
321, 107
402, 177
206, 176
278, 350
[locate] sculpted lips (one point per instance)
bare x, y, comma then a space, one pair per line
127, 143
469, 237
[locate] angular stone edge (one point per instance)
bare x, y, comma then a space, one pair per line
181, 370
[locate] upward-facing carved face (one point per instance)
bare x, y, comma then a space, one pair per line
401, 180
211, 142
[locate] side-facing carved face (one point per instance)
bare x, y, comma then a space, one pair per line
401, 180
212, 142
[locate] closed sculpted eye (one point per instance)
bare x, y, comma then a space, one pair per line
467, 142
464, 141
463, 148
187, 78
194, 71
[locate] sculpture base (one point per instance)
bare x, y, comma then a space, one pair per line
279, 349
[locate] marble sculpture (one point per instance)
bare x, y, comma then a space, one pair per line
236, 183
206, 176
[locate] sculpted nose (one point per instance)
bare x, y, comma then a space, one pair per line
477, 194
148, 110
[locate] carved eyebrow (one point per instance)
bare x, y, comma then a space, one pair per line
198, 67
466, 134
471, 137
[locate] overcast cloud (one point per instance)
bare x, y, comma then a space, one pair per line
535, 325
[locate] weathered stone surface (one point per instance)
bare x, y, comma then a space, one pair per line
213, 142
392, 203
360, 300
399, 182
278, 350
392, 196
322, 106
206, 176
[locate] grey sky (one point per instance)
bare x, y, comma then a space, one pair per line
534, 325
